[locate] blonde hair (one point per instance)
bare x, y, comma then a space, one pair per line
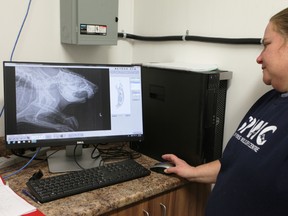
280, 21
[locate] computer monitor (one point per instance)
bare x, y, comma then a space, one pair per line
56, 104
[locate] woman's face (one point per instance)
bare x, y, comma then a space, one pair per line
274, 59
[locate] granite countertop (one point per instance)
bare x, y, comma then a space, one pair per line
99, 201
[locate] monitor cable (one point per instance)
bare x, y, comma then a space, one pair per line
75, 158
93, 156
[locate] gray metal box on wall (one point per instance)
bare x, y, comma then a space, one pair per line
89, 22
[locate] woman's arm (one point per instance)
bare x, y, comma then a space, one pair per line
205, 173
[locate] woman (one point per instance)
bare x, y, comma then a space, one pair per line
252, 176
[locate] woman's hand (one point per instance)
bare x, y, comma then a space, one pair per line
205, 173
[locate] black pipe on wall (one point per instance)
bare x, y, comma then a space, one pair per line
256, 41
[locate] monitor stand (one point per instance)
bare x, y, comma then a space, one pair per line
64, 160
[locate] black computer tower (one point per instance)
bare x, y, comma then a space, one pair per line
183, 113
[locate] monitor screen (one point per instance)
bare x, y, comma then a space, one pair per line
52, 104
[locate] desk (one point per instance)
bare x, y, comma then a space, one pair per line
122, 198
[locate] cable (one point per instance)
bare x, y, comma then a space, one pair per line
13, 151
21, 28
116, 152
2, 110
256, 41
16, 42
75, 158
19, 170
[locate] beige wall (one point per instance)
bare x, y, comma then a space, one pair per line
222, 18
40, 40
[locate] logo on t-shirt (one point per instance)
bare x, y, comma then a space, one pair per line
253, 133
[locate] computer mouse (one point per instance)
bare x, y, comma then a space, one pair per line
159, 167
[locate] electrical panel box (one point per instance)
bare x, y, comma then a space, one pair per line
89, 22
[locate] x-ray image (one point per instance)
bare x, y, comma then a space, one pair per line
121, 96
43, 94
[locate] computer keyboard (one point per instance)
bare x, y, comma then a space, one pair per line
55, 187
